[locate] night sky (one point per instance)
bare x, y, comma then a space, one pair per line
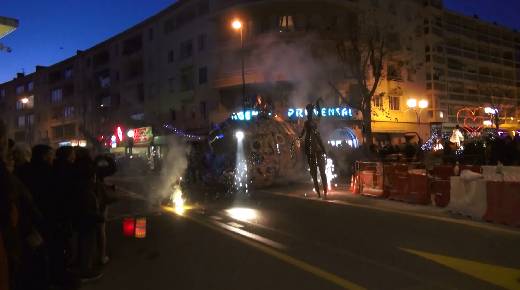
47, 34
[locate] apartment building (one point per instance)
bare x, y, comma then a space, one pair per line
183, 67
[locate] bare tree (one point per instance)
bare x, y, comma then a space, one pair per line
362, 53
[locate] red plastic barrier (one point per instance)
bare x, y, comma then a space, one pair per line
503, 203
440, 184
369, 179
418, 190
396, 182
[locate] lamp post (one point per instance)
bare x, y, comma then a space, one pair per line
417, 106
237, 25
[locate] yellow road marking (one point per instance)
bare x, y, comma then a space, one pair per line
345, 284
508, 278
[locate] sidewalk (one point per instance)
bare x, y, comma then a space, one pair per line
341, 195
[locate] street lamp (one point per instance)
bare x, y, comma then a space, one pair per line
24, 100
417, 106
238, 26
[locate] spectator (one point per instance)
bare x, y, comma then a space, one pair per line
105, 166
89, 215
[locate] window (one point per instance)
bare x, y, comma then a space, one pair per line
203, 110
56, 96
378, 101
106, 101
21, 121
394, 103
68, 73
104, 80
68, 112
30, 86
171, 84
2, 94
285, 23
30, 119
171, 56
202, 42
186, 49
187, 79
20, 90
203, 75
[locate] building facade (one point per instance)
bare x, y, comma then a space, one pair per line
183, 67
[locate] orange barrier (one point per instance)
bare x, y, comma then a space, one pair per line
503, 202
440, 184
419, 192
396, 181
368, 179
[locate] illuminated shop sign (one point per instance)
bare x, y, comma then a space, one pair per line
333, 112
142, 135
244, 115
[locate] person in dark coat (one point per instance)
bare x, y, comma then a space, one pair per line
89, 216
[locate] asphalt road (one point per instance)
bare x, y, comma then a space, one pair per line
276, 242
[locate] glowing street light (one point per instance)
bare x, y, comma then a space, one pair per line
239, 135
411, 103
130, 133
423, 104
236, 24
24, 100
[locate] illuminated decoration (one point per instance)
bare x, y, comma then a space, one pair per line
487, 123
113, 141
337, 112
128, 227
181, 133
472, 122
74, 143
441, 115
140, 228
343, 137
329, 172
246, 115
242, 214
130, 133
489, 110
119, 133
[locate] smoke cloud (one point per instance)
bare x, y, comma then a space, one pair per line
309, 64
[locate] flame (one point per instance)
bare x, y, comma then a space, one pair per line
177, 200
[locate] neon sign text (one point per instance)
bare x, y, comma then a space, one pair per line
338, 112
